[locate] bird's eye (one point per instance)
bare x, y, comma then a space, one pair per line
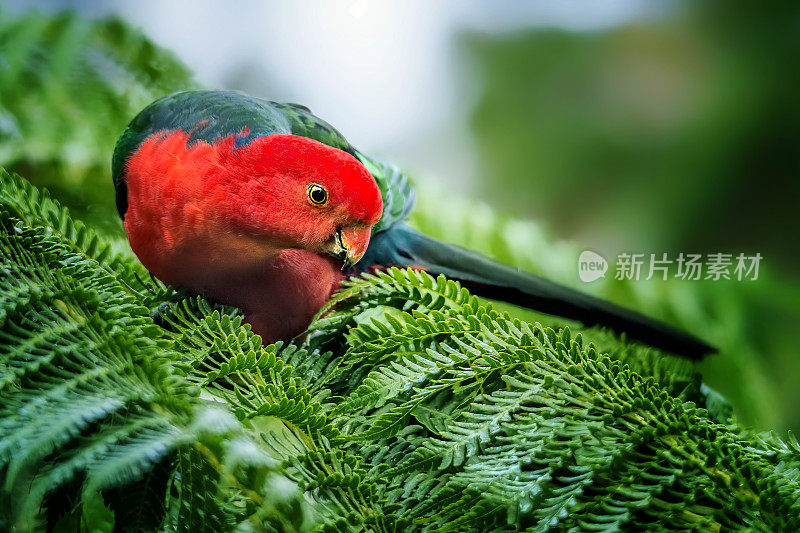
317, 194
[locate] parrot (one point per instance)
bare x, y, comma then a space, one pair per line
266, 207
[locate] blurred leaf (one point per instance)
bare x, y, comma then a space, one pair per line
69, 88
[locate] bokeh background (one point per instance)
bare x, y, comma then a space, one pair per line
534, 130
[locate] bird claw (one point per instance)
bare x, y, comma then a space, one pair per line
157, 314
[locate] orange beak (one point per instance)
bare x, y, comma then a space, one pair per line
354, 242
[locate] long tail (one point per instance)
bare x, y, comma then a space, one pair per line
403, 246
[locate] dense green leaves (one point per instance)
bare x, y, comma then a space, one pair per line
70, 86
493, 423
410, 406
93, 402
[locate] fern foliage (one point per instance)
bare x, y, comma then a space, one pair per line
93, 401
472, 419
411, 405
733, 315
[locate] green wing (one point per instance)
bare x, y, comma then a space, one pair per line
396, 190
210, 115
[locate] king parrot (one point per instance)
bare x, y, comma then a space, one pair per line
266, 207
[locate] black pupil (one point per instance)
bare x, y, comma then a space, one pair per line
318, 195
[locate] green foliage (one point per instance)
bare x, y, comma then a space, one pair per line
93, 401
70, 86
472, 419
411, 405
752, 323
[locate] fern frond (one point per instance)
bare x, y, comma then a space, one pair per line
402, 289
526, 427
35, 208
90, 398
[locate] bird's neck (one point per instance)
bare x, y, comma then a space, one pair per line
279, 292
281, 295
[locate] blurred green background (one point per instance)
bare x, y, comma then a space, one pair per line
615, 127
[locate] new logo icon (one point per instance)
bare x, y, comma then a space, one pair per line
591, 266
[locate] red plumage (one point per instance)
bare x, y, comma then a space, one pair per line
236, 224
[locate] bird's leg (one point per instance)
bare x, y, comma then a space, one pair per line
157, 314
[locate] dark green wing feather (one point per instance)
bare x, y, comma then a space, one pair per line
210, 115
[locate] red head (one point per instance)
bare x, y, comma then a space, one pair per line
301, 193
219, 203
